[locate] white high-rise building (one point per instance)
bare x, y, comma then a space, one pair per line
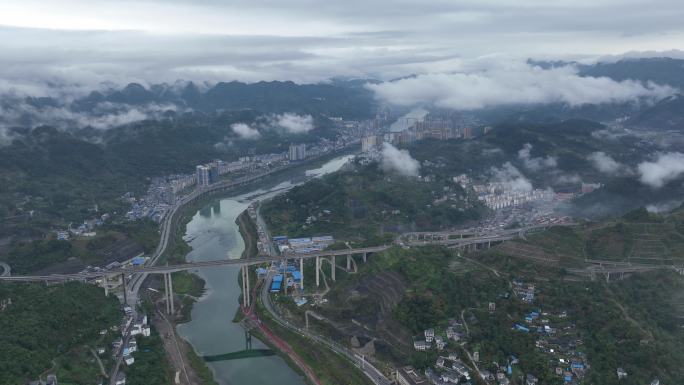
369, 142
203, 175
297, 152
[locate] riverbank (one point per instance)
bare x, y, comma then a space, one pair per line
322, 366
178, 249
329, 367
249, 233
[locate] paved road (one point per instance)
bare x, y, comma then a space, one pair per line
133, 286
143, 272
6, 270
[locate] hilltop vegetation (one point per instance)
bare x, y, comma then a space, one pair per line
639, 237
26, 257
52, 329
61, 174
631, 323
364, 203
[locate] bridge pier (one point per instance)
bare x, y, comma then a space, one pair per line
248, 340
123, 281
364, 257
348, 262
173, 310
105, 283
166, 293
332, 268
245, 287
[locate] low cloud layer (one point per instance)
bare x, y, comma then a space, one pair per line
513, 84
104, 116
663, 207
398, 161
244, 131
512, 177
293, 123
664, 169
535, 164
606, 164
153, 40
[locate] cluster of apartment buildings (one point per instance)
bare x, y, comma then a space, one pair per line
410, 129
499, 195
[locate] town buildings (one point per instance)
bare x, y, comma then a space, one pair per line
297, 152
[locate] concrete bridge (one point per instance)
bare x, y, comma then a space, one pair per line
476, 232
469, 239
106, 275
466, 243
617, 270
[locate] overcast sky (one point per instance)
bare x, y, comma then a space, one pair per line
94, 41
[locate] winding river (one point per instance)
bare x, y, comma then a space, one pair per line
213, 234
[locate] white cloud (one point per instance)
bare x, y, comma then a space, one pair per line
663, 207
535, 164
512, 177
293, 123
244, 131
567, 178
666, 167
605, 163
399, 161
90, 41
513, 84
104, 116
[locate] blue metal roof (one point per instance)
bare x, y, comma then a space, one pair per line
137, 261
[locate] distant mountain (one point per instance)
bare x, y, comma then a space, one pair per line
135, 102
549, 113
661, 70
281, 97
658, 70
668, 114
338, 99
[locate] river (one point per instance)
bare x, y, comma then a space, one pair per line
213, 235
